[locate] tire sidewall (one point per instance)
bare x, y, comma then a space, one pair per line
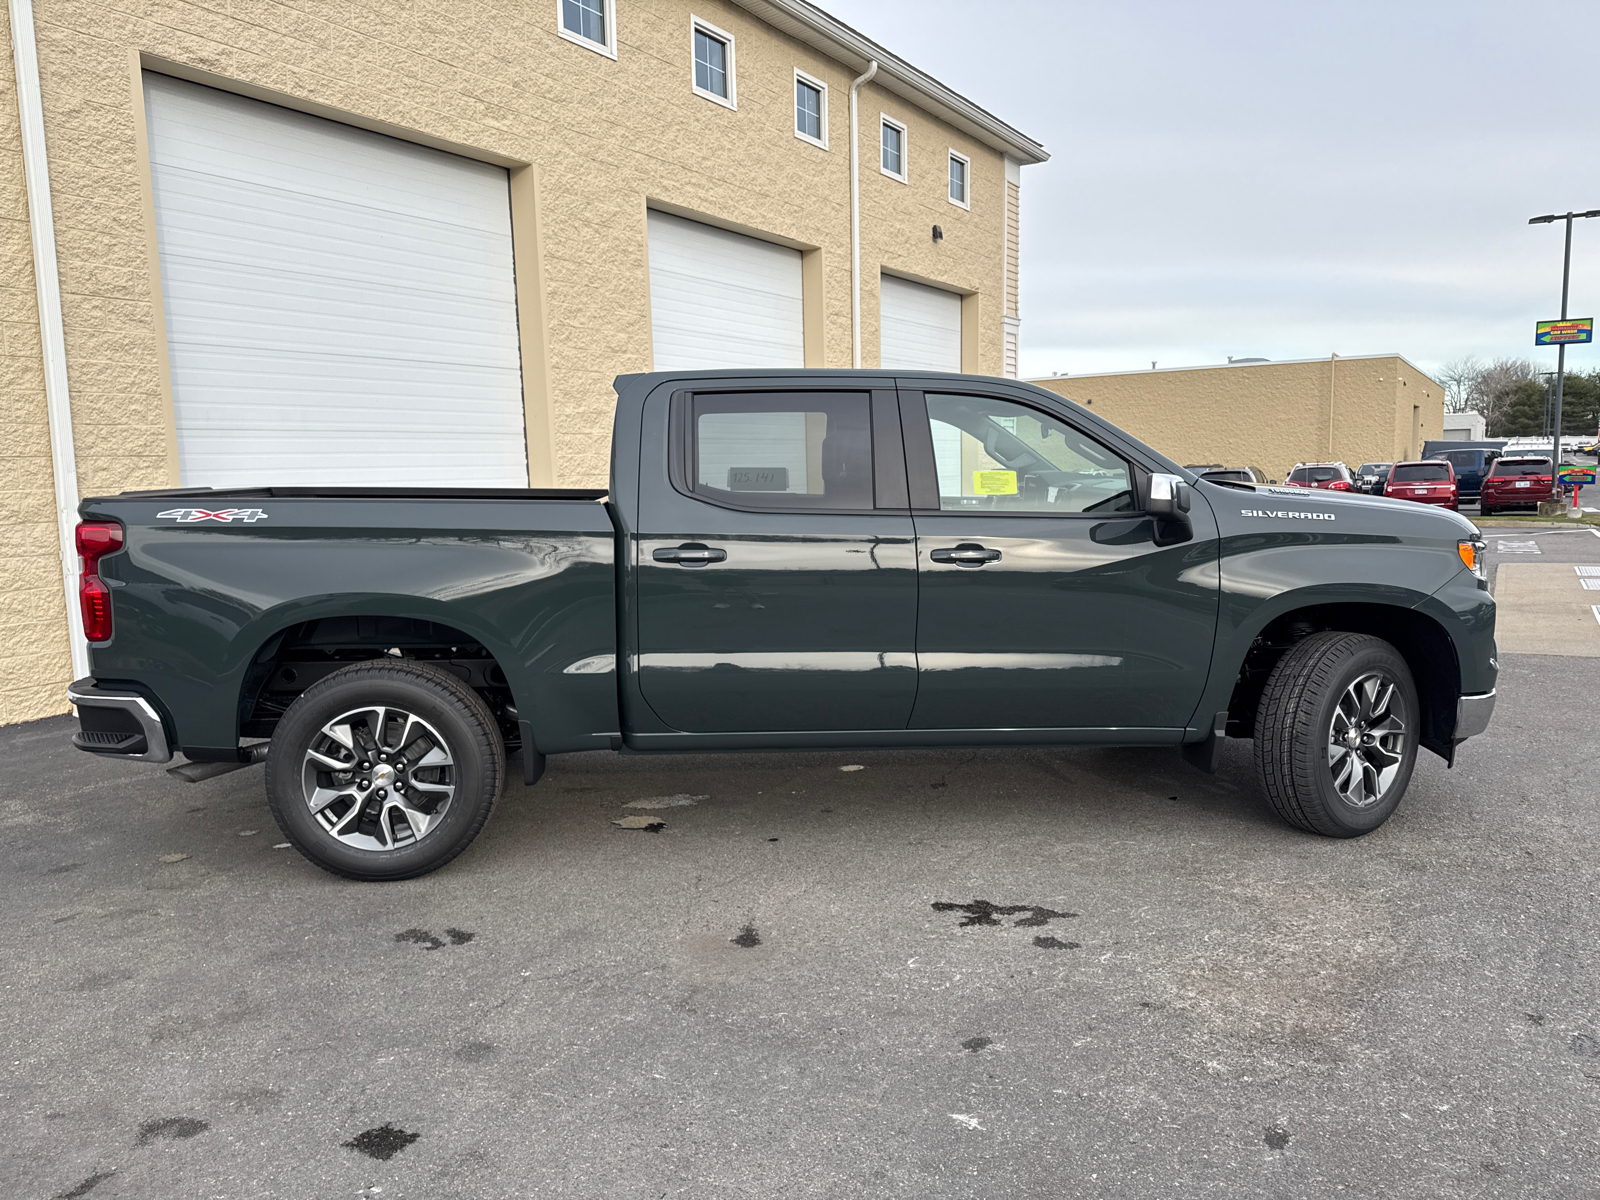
1351, 820
476, 779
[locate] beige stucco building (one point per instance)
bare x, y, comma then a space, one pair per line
1271, 415
225, 232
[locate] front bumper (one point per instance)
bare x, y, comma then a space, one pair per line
118, 724
1472, 714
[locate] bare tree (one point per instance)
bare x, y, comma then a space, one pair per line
1495, 385
1459, 377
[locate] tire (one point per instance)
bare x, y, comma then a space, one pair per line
1485, 510
1315, 779
420, 732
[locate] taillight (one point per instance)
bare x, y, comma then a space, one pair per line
95, 540
1338, 485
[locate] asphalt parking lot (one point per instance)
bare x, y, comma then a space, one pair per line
806, 985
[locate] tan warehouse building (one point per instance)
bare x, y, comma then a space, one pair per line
394, 244
1271, 415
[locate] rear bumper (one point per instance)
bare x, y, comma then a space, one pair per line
1472, 714
118, 724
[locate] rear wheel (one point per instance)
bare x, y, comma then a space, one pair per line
1337, 733
384, 770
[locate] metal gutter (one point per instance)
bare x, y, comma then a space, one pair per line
47, 279
855, 215
807, 23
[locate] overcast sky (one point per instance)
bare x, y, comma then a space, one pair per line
1283, 179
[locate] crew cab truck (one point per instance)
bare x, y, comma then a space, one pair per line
783, 560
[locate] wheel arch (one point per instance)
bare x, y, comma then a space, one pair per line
291, 650
1424, 643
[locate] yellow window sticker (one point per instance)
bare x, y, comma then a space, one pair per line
994, 483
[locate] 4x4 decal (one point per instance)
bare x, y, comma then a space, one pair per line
188, 516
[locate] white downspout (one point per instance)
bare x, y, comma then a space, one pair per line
855, 216
46, 276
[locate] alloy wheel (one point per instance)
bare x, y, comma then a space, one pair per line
1367, 740
378, 778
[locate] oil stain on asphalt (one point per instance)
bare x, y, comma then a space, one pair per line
984, 912
458, 937
383, 1143
87, 1186
748, 937
171, 1128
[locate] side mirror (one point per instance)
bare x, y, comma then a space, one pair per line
1169, 496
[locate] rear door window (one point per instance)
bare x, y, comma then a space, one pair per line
783, 450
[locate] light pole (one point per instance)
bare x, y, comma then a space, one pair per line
1561, 349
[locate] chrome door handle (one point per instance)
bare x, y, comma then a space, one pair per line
967, 554
690, 554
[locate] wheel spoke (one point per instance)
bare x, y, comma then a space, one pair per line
327, 760
322, 797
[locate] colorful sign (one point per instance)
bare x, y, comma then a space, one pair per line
1564, 333
1576, 476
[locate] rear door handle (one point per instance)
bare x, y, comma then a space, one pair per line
690, 554
967, 554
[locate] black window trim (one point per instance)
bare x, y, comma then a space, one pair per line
922, 472
889, 490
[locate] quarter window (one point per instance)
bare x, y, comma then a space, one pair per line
784, 450
713, 63
893, 159
959, 167
996, 456
589, 23
810, 110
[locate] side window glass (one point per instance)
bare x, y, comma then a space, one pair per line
993, 455
783, 450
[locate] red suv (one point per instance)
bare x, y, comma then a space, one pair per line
1517, 481
1333, 477
1430, 482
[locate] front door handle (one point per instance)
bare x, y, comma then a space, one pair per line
690, 554
967, 554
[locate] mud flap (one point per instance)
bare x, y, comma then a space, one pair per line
1206, 755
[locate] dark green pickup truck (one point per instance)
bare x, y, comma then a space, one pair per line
784, 560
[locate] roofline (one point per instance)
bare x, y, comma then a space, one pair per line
808, 23
1275, 362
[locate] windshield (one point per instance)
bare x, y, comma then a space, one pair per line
1420, 473
1521, 466
1470, 459
1316, 474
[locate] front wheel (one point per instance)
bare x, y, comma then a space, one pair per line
1336, 733
384, 770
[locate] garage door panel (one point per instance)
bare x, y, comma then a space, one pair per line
920, 326
341, 306
721, 299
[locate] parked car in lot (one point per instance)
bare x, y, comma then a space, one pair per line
1517, 483
1235, 474
1470, 465
1427, 482
1331, 477
784, 560
1370, 477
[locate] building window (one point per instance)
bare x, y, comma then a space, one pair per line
893, 162
589, 23
960, 167
713, 62
810, 109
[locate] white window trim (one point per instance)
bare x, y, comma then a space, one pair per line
799, 78
905, 151
609, 49
967, 163
731, 100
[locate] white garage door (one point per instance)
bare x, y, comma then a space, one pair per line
340, 305
921, 331
921, 326
720, 299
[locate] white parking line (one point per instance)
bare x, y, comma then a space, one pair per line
1587, 570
